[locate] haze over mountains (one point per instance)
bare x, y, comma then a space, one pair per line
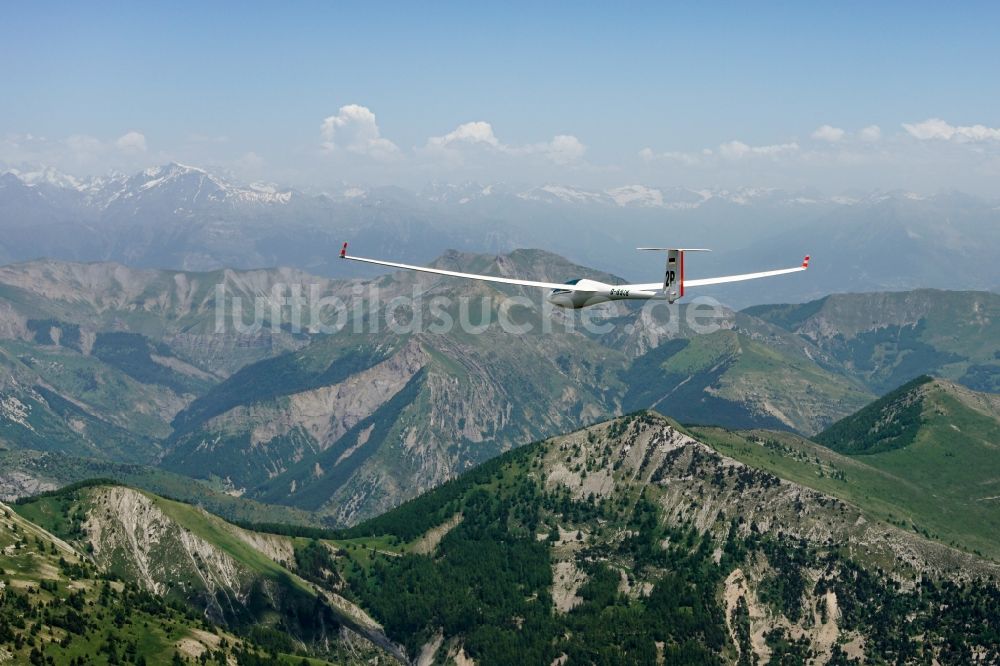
183, 217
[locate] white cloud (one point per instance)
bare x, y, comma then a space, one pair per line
30, 149
926, 156
871, 133
131, 142
937, 129
78, 153
472, 133
562, 149
731, 151
828, 133
648, 156
740, 150
735, 150
354, 129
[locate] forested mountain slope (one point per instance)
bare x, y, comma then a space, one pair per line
631, 542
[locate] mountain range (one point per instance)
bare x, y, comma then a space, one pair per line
186, 218
799, 482
129, 366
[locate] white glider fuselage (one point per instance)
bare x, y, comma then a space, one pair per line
599, 292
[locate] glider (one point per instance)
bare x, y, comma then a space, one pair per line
581, 293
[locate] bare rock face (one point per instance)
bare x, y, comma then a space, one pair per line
458, 419
328, 412
13, 324
233, 574
16, 484
273, 436
129, 532
697, 485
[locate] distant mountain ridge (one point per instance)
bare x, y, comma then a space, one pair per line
171, 180
103, 191
184, 217
888, 338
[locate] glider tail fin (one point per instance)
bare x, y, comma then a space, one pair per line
673, 274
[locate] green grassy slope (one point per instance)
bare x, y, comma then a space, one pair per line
954, 457
891, 422
925, 457
218, 533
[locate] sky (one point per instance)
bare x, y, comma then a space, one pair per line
826, 96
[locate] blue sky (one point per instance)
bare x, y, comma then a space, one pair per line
248, 87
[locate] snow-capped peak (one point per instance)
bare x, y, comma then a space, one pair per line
461, 193
639, 195
563, 193
161, 175
184, 184
48, 176
193, 185
171, 169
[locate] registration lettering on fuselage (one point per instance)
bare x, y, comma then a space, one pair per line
619, 292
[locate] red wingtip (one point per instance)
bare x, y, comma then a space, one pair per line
805, 262
343, 251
